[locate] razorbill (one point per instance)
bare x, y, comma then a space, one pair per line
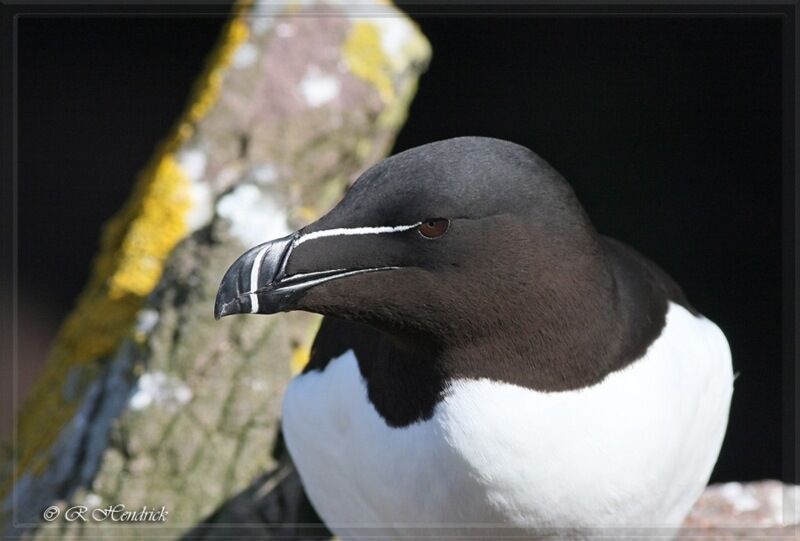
489, 365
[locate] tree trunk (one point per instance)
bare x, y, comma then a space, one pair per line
145, 399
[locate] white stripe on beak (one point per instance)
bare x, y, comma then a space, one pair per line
254, 271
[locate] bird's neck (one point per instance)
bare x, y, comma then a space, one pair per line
561, 332
589, 315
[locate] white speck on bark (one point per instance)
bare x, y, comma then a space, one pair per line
146, 320
245, 56
317, 87
254, 218
227, 176
157, 388
738, 497
395, 33
261, 23
265, 174
202, 206
193, 163
285, 30
262, 15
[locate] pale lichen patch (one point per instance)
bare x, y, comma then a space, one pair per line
318, 87
159, 389
202, 209
285, 30
193, 162
738, 497
245, 56
265, 174
260, 23
146, 321
253, 217
397, 33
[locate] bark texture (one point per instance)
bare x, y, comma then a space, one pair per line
146, 400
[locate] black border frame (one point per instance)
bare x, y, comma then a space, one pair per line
786, 10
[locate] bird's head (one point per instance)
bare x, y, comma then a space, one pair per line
426, 241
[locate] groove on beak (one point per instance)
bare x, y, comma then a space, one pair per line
247, 284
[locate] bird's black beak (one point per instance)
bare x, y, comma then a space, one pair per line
262, 280
249, 285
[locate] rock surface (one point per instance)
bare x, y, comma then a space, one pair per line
758, 510
145, 399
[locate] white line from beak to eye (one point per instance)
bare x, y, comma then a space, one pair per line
354, 231
254, 271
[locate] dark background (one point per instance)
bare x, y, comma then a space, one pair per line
669, 129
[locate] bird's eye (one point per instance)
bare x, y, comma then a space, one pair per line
433, 228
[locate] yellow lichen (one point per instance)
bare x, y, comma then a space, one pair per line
364, 56
300, 357
301, 352
306, 214
207, 88
153, 232
133, 248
